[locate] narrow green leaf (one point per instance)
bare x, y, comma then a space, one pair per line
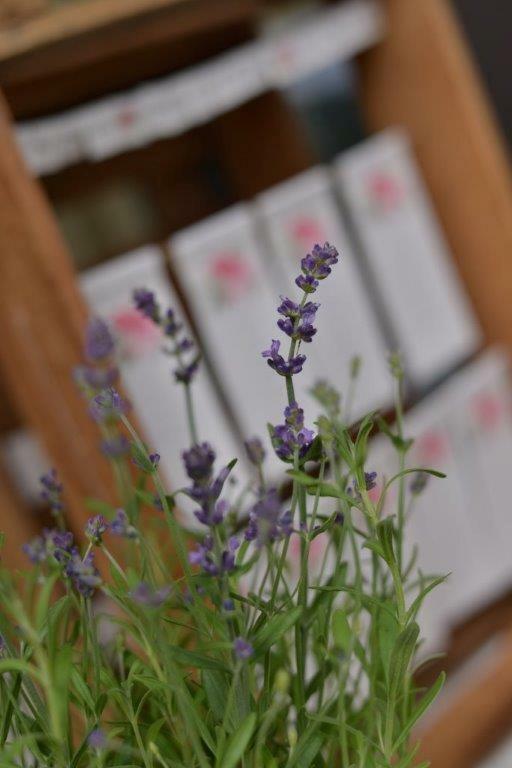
420, 710
237, 743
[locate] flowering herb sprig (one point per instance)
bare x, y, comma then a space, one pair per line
224, 644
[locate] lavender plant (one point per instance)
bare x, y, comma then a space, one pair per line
151, 643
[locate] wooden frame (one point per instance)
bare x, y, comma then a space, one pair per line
421, 77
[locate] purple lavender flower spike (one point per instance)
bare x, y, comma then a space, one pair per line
255, 451
292, 435
199, 462
297, 321
108, 406
242, 649
228, 605
95, 528
115, 447
279, 364
171, 326
52, 490
267, 523
120, 526
146, 303
97, 739
185, 373
36, 550
146, 595
317, 265
307, 283
93, 377
83, 573
370, 480
99, 342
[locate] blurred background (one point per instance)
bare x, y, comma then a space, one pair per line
200, 148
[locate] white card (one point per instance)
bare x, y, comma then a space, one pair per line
297, 214
221, 267
407, 254
146, 372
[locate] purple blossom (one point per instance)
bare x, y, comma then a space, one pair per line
52, 490
370, 480
83, 573
99, 342
317, 265
297, 321
292, 436
199, 461
146, 595
115, 447
95, 377
95, 528
108, 406
147, 463
204, 556
36, 549
171, 326
146, 303
255, 451
279, 364
267, 522
97, 739
307, 283
121, 526
212, 514
242, 649
185, 373
228, 605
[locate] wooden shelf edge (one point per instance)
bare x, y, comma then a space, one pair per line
83, 16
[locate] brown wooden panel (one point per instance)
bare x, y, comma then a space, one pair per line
422, 76
261, 143
42, 316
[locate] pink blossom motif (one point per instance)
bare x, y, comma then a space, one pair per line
232, 277
384, 191
138, 335
306, 231
432, 447
487, 410
126, 117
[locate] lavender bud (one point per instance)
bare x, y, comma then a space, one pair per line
95, 528
148, 596
255, 451
146, 303
243, 650
99, 342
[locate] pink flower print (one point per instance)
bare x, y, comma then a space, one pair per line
137, 333
232, 276
127, 116
306, 231
384, 191
432, 447
487, 410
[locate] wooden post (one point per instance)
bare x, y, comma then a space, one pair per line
422, 77
41, 319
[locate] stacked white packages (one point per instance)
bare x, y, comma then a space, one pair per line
146, 372
407, 254
222, 271
461, 524
296, 215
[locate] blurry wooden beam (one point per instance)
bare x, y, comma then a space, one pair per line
42, 316
17, 523
473, 720
261, 143
83, 50
422, 77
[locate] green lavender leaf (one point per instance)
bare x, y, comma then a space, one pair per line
237, 743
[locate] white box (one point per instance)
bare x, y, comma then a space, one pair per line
147, 373
297, 214
221, 267
407, 254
